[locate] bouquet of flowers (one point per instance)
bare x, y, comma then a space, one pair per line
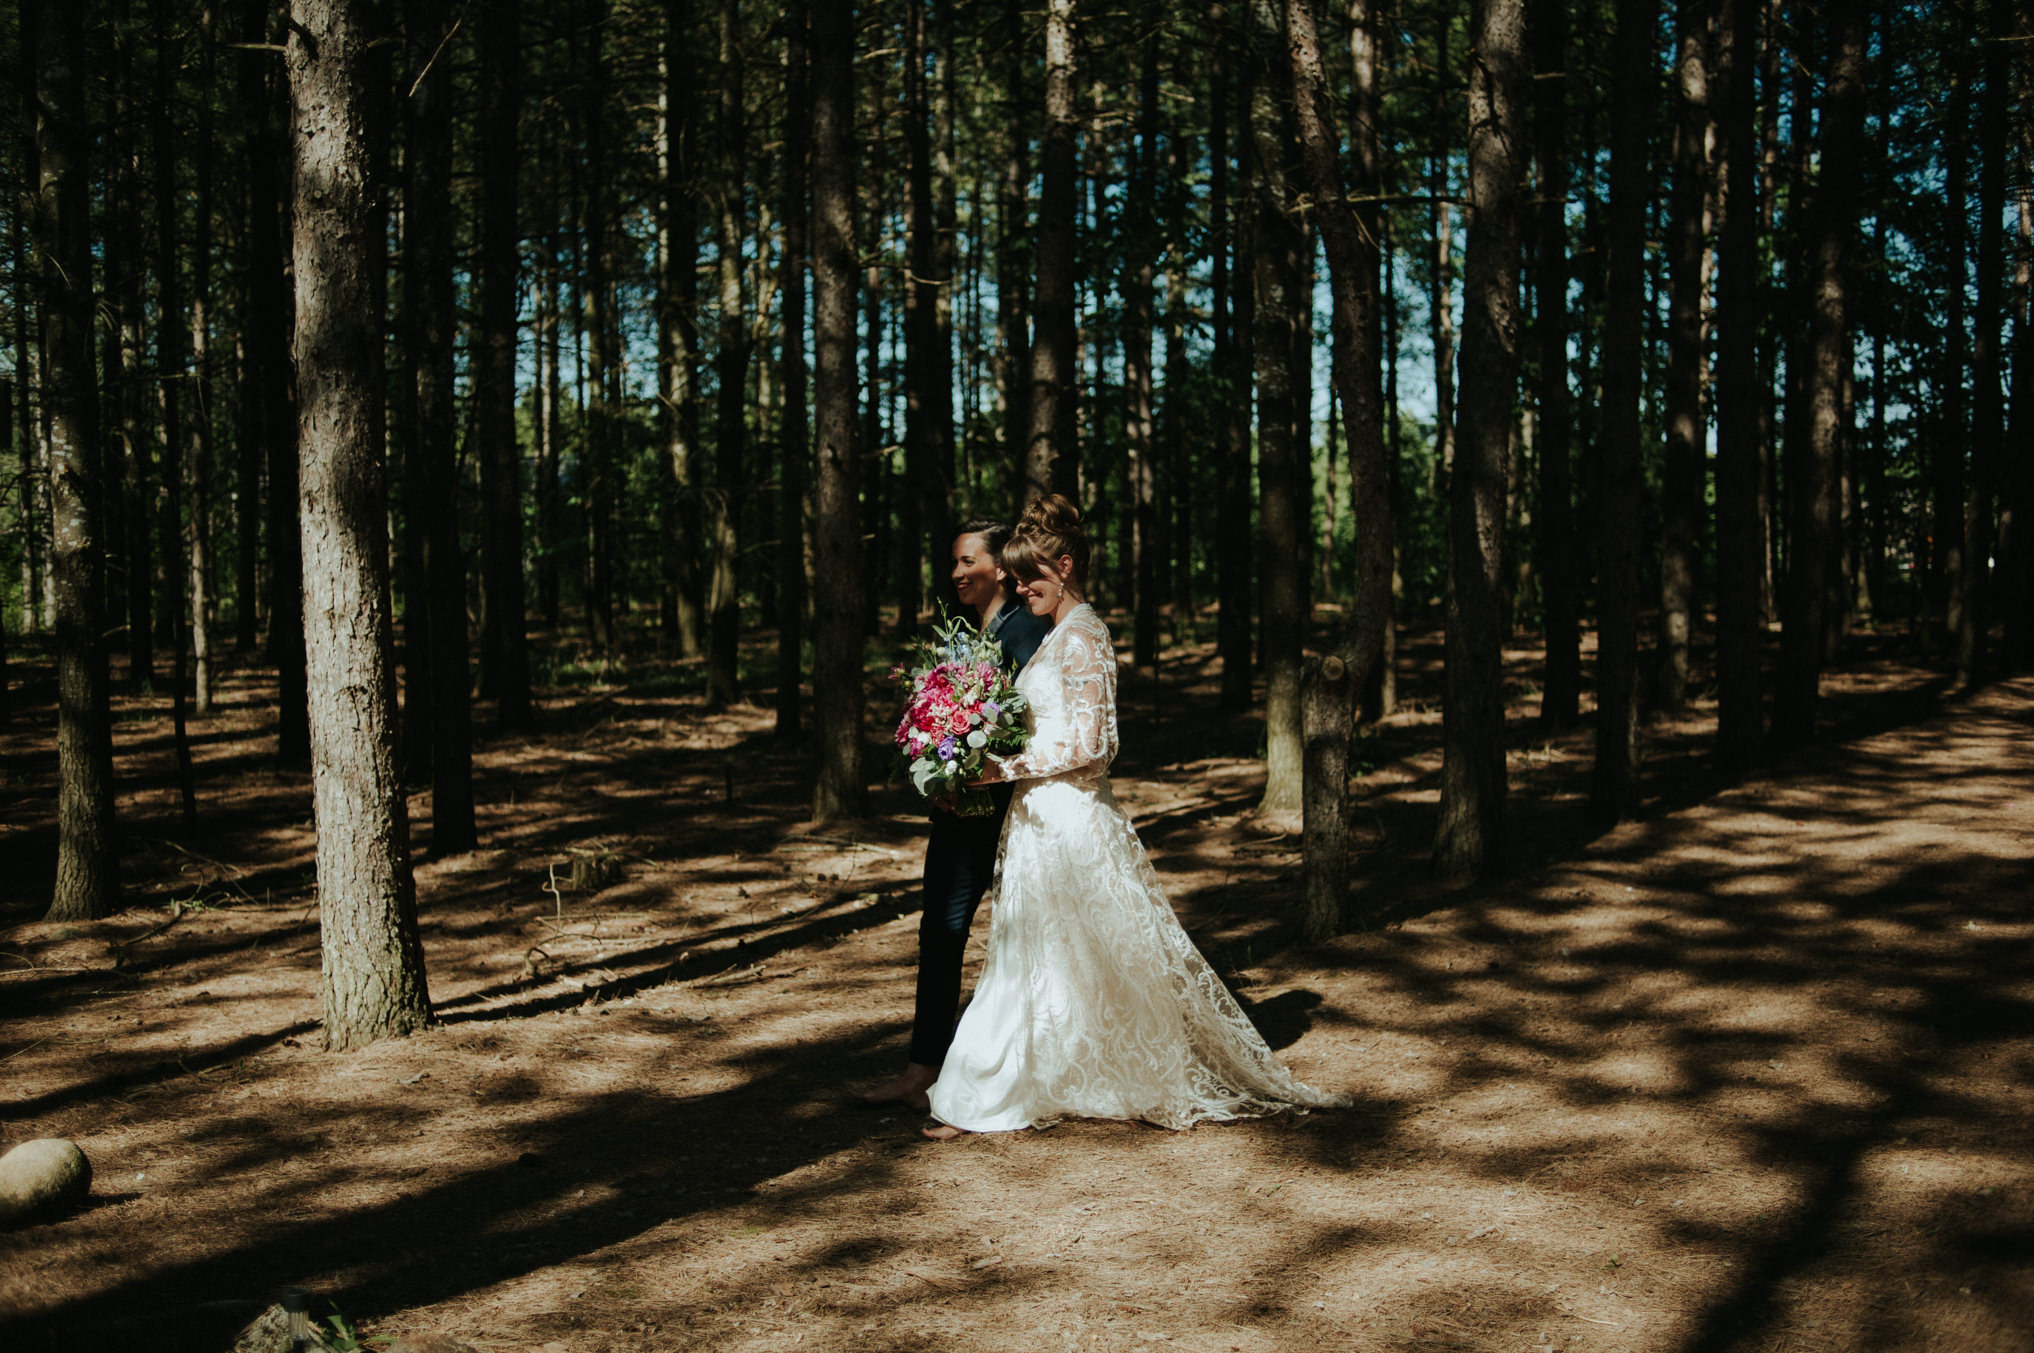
963, 707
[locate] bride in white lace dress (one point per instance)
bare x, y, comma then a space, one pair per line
1092, 1002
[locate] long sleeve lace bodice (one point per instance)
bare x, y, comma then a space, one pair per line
1070, 684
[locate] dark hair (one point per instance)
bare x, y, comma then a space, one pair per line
1050, 527
996, 535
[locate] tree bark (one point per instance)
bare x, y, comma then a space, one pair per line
838, 791
927, 532
1614, 791
600, 449
1988, 410
1686, 456
1013, 362
505, 649
171, 335
1470, 836
1049, 449
1235, 318
1351, 240
88, 866
1951, 441
795, 435
374, 983
1282, 503
1560, 574
1139, 282
1831, 222
731, 368
199, 560
678, 336
2016, 508
1441, 307
1740, 535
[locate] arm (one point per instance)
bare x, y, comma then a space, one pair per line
1086, 733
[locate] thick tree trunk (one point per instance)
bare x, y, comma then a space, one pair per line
1049, 440
1988, 410
1351, 239
927, 529
1282, 512
1614, 791
1740, 537
1235, 318
678, 336
374, 983
795, 437
1686, 456
2016, 507
432, 322
88, 868
1470, 836
1560, 573
731, 368
1831, 223
838, 790
504, 642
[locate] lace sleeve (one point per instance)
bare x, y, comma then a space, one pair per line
1084, 734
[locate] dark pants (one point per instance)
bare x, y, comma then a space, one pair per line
959, 861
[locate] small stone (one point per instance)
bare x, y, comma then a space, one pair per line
40, 1177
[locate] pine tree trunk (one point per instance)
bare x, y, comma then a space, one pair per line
1138, 284
1050, 452
838, 792
601, 455
199, 560
1470, 836
1740, 548
1614, 791
1012, 247
171, 379
1951, 441
678, 336
132, 493
1831, 223
1988, 411
88, 867
1441, 306
1686, 454
504, 646
1235, 318
731, 368
926, 530
1560, 576
795, 435
2016, 507
374, 984
1282, 506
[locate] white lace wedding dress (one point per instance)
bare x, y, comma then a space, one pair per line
1092, 1002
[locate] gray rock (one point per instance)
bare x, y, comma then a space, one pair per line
41, 1177
283, 1328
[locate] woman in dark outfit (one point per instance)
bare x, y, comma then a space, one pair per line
961, 855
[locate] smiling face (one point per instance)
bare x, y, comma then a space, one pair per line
977, 577
1050, 596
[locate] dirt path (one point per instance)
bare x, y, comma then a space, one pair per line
1753, 1074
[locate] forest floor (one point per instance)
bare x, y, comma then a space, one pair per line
1753, 1073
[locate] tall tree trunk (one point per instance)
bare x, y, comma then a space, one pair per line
1282, 512
1560, 575
250, 361
1441, 307
731, 367
1351, 240
1013, 247
1740, 537
2016, 507
433, 318
1049, 441
1952, 438
268, 341
131, 494
1686, 457
838, 790
1831, 222
199, 560
171, 374
796, 439
1470, 836
88, 866
504, 644
600, 452
1988, 410
374, 983
32, 483
1614, 792
1139, 282
927, 531
1235, 318
678, 335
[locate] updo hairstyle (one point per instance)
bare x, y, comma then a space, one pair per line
996, 536
1050, 527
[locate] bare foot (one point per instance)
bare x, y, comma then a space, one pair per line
907, 1089
945, 1132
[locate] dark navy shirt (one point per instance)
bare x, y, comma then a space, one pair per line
1019, 632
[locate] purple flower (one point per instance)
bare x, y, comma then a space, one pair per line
991, 710
946, 747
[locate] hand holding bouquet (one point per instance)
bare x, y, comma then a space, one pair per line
963, 707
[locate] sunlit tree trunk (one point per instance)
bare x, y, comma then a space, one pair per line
88, 871
374, 983
838, 791
1470, 836
203, 410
